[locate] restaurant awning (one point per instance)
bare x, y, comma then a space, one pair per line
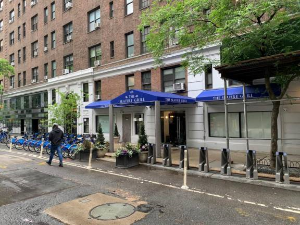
100, 105
236, 93
141, 97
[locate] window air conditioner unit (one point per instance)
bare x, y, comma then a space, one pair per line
97, 25
178, 87
45, 77
69, 38
65, 71
45, 49
33, 81
11, 20
12, 63
69, 5
97, 97
97, 63
33, 3
35, 53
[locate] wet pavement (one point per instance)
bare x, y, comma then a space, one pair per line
29, 187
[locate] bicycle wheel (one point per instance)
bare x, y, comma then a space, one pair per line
48, 150
18, 146
65, 153
7, 143
31, 147
37, 149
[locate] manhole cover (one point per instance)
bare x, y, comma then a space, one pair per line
112, 211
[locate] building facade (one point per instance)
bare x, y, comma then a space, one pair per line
95, 49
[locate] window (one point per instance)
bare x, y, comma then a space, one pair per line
24, 54
34, 23
35, 74
12, 81
12, 59
46, 15
68, 30
129, 82
36, 101
94, 19
24, 29
24, 6
12, 38
18, 103
112, 49
1, 45
52, 10
53, 96
1, 4
19, 9
46, 99
146, 81
24, 78
138, 121
129, 45
68, 63
104, 121
144, 4
233, 83
19, 80
173, 76
86, 128
26, 102
95, 54
111, 9
259, 125
208, 77
11, 16
12, 103
129, 7
45, 42
19, 33
34, 49
1, 25
19, 56
53, 40
46, 70
144, 34
85, 87
53, 71
98, 89
67, 4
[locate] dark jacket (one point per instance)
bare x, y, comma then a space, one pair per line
56, 136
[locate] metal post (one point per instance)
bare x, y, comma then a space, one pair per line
111, 128
182, 149
225, 162
151, 154
282, 172
226, 114
167, 156
245, 117
90, 158
203, 160
184, 186
251, 165
42, 148
10, 146
157, 129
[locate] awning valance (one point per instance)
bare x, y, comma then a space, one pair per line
141, 97
99, 105
236, 93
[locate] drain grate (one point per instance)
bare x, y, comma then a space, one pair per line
112, 211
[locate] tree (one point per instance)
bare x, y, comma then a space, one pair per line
66, 112
100, 138
247, 29
143, 139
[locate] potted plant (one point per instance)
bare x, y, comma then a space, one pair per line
143, 144
84, 151
116, 135
127, 156
100, 146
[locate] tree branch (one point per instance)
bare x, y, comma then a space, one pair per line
268, 85
286, 86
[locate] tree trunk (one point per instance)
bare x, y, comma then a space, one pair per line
274, 133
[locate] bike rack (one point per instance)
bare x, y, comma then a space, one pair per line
167, 159
151, 154
282, 170
225, 162
181, 162
203, 160
251, 165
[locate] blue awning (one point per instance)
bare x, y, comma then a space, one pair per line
141, 97
99, 105
236, 93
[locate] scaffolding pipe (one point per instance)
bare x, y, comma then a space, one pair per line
245, 117
226, 114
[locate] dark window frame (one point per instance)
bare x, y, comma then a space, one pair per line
67, 30
34, 23
173, 77
144, 34
35, 74
95, 20
127, 4
127, 82
53, 10
145, 83
85, 92
69, 63
53, 70
46, 14
112, 49
144, 4
53, 40
208, 72
96, 57
111, 10
129, 46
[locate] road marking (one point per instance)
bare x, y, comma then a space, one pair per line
3, 167
290, 209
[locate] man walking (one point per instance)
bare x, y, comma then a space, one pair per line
56, 136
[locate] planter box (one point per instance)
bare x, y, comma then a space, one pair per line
143, 156
124, 161
84, 155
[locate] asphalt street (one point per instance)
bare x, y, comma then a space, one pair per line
29, 187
